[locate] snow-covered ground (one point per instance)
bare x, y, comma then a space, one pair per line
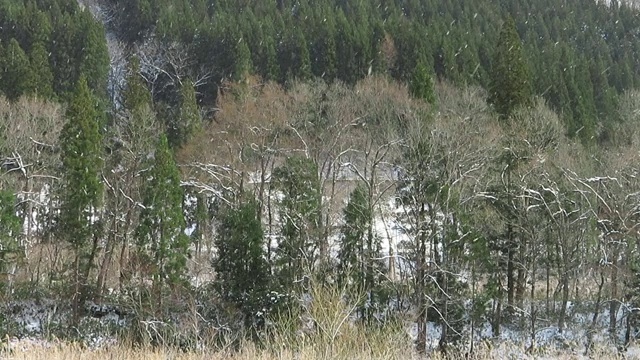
32, 322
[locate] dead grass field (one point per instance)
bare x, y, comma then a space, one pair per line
250, 352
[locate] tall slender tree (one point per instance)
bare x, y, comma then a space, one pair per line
15, 71
421, 85
359, 252
41, 71
300, 210
187, 121
81, 155
242, 272
9, 230
162, 243
510, 85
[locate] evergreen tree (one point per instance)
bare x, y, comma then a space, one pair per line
242, 272
242, 61
137, 18
300, 210
188, 121
271, 69
80, 142
294, 59
346, 59
323, 51
37, 26
510, 86
63, 59
94, 62
9, 229
421, 85
42, 75
359, 248
135, 94
15, 71
160, 235
357, 218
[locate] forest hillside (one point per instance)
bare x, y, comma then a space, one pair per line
320, 179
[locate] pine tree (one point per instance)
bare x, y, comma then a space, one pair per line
80, 142
160, 234
9, 229
323, 51
271, 69
15, 71
510, 85
300, 208
242, 60
359, 249
242, 272
135, 94
421, 85
94, 62
137, 17
188, 121
63, 61
357, 218
294, 59
42, 75
37, 25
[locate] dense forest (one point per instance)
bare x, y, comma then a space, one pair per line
450, 164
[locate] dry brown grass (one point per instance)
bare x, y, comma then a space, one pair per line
250, 352
73, 352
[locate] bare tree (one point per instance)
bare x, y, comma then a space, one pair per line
443, 165
29, 130
165, 66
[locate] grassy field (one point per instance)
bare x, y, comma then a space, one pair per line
329, 331
22, 351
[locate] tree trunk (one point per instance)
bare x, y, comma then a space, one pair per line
87, 267
594, 320
614, 303
106, 261
565, 299
510, 267
497, 318
510, 247
521, 274
420, 276
548, 285
534, 309
76, 291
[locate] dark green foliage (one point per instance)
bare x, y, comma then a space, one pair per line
359, 254
160, 234
15, 71
37, 25
94, 59
293, 56
187, 121
353, 254
81, 157
9, 229
81, 193
137, 18
300, 208
242, 272
135, 94
63, 60
340, 40
55, 35
421, 85
510, 85
242, 61
41, 72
